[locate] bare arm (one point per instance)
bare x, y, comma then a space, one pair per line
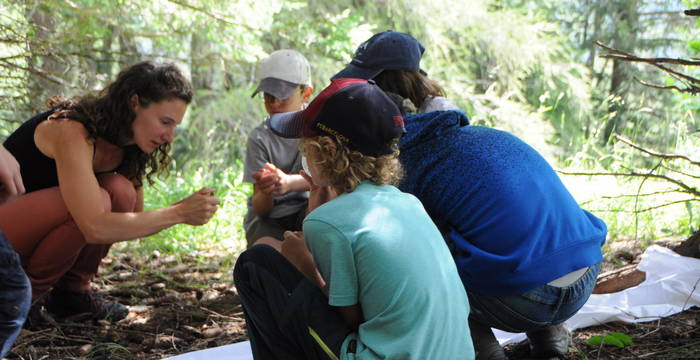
263, 198
66, 142
352, 315
295, 250
291, 182
139, 200
262, 202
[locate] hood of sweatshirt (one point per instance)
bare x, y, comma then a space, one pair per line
420, 127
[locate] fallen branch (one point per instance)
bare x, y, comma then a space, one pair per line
690, 247
670, 350
619, 279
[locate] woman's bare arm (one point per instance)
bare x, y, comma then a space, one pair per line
66, 141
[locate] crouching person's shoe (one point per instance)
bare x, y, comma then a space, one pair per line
550, 341
64, 303
486, 345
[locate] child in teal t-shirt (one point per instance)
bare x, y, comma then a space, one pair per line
370, 277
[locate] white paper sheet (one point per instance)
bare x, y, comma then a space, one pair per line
237, 351
671, 286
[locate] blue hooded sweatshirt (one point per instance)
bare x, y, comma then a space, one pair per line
510, 222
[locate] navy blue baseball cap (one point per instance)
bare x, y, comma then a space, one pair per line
356, 111
388, 50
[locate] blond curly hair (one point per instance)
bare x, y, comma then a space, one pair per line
345, 168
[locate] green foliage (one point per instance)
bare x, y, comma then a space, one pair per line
223, 231
215, 132
526, 67
616, 339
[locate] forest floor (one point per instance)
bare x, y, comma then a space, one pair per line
185, 304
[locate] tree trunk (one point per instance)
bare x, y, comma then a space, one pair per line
107, 57
202, 70
690, 247
130, 54
44, 82
624, 38
619, 279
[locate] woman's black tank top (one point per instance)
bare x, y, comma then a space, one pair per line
38, 170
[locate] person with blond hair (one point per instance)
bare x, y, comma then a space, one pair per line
369, 277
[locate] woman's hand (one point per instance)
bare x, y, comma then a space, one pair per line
199, 207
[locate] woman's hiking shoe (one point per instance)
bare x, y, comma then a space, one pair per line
64, 303
550, 341
485, 344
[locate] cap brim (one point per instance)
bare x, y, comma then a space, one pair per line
287, 125
280, 89
257, 90
356, 72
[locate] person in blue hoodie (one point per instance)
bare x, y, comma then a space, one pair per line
527, 254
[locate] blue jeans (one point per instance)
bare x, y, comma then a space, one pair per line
15, 296
543, 306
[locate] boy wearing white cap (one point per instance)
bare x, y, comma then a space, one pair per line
272, 163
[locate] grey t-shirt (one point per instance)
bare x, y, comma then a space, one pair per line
264, 146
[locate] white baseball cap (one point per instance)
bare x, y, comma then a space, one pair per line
281, 73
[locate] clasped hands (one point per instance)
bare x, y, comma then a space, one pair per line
271, 181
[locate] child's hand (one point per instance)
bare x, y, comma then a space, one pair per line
318, 195
294, 249
267, 180
283, 183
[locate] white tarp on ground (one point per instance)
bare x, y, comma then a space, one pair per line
671, 286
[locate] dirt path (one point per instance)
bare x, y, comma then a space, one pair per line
181, 305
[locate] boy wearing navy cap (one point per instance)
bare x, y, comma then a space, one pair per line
370, 276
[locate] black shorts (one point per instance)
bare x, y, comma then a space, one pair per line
257, 227
287, 316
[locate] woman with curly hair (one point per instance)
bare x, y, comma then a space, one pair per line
369, 277
82, 164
